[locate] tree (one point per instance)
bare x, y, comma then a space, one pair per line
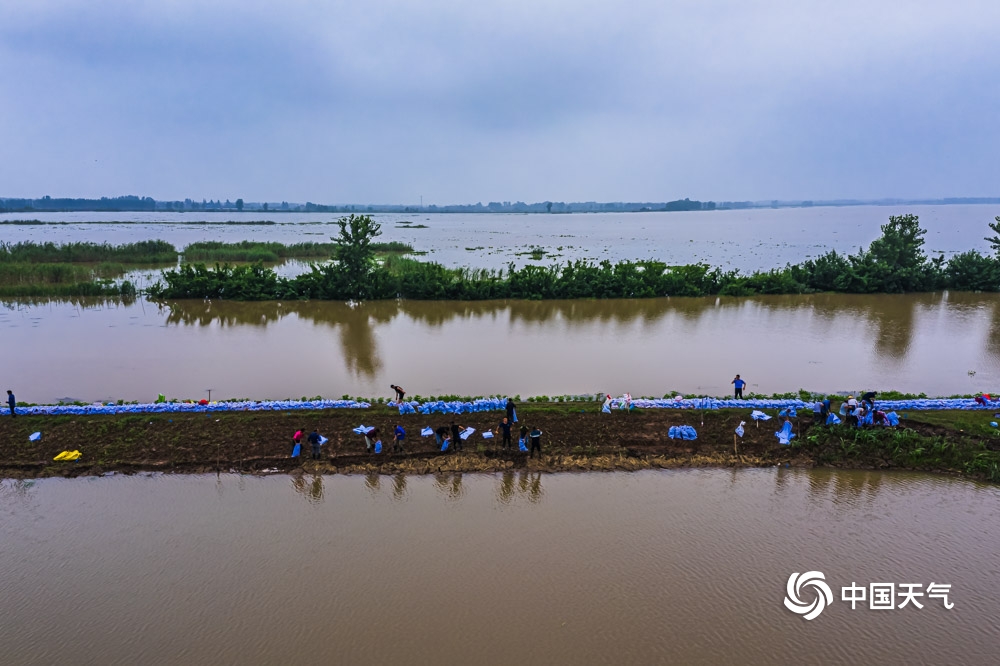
239, 204
354, 254
895, 262
994, 240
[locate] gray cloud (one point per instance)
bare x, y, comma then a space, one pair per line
385, 101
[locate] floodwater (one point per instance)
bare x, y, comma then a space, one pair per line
744, 239
940, 344
652, 567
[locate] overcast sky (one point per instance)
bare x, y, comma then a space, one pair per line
376, 101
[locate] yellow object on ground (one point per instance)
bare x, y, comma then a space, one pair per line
68, 455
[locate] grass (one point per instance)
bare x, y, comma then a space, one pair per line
24, 274
142, 252
535, 252
249, 251
125, 291
252, 251
964, 448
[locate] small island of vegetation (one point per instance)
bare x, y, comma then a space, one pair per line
893, 263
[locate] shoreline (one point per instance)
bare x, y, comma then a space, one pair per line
957, 443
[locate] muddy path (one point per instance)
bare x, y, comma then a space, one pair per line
260, 442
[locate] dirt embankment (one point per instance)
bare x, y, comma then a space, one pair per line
573, 439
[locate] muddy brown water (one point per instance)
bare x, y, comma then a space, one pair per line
650, 567
939, 344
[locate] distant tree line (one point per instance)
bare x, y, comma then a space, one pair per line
135, 203
893, 263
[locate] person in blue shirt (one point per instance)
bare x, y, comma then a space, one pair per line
738, 384
397, 438
314, 440
11, 402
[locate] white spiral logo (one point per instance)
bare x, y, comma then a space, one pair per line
823, 594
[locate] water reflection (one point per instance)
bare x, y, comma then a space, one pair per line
527, 484
399, 487
449, 485
373, 482
853, 488
993, 339
891, 318
311, 489
911, 342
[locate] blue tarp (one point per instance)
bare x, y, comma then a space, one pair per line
832, 419
193, 407
785, 435
682, 432
884, 405
460, 407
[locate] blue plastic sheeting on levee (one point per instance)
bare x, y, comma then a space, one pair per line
452, 407
832, 419
785, 435
682, 432
406, 407
716, 403
193, 407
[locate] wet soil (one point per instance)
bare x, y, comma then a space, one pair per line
261, 442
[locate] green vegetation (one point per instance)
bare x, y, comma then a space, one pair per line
970, 453
143, 252
63, 280
24, 274
252, 251
893, 263
124, 290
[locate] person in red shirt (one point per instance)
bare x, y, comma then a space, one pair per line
297, 438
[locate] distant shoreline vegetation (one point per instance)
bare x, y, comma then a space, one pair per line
91, 269
147, 204
162, 252
362, 269
893, 263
